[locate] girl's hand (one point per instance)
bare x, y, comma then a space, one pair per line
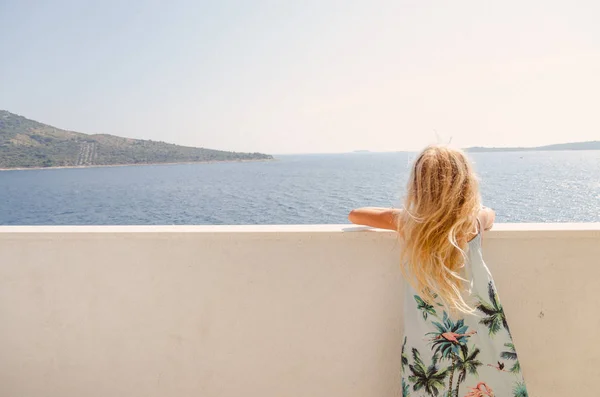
487, 216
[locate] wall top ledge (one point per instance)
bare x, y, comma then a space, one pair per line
500, 230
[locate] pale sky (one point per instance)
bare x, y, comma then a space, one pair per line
307, 76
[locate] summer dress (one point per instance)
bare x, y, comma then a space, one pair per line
473, 356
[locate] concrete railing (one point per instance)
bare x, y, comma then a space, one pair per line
267, 311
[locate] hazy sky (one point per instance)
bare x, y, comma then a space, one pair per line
307, 76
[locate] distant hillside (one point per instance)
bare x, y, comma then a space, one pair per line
26, 143
589, 145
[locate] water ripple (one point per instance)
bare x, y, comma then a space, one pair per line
522, 187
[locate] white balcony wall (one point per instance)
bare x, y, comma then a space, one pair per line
309, 311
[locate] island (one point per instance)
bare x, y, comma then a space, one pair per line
26, 143
589, 145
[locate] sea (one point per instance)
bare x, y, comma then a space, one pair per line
542, 186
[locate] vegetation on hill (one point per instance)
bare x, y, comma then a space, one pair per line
26, 143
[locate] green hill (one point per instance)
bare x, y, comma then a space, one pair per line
589, 145
26, 143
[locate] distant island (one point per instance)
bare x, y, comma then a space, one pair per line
27, 143
589, 145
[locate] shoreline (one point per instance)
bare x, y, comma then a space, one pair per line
131, 165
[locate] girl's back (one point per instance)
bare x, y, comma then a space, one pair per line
467, 355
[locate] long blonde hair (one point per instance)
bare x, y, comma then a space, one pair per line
440, 212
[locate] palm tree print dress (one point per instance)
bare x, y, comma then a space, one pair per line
473, 356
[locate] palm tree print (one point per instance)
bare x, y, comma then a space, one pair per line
511, 354
447, 341
520, 390
404, 356
405, 389
466, 362
425, 308
430, 378
449, 336
494, 318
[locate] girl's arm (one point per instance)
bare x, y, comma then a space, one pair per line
381, 218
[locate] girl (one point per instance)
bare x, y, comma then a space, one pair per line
456, 338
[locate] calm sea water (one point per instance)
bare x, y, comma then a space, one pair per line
522, 187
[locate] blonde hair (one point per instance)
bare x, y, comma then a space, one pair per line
440, 213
